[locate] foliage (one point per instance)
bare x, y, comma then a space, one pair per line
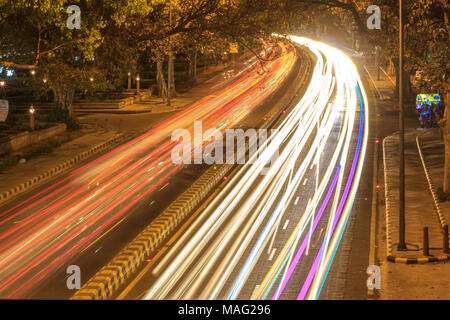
7, 163
443, 196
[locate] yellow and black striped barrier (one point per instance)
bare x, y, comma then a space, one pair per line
106, 281
418, 260
5, 196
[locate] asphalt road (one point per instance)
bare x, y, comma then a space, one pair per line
253, 239
87, 215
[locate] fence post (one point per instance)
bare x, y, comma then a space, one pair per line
426, 248
445, 244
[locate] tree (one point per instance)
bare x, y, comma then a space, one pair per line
34, 35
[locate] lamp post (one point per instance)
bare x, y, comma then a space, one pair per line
129, 80
401, 218
169, 64
33, 73
91, 90
138, 83
2, 85
32, 111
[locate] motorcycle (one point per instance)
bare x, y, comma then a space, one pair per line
428, 109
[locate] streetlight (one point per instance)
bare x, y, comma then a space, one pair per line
138, 83
169, 64
91, 88
129, 80
33, 73
2, 85
401, 224
32, 111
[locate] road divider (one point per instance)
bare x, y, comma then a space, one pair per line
106, 281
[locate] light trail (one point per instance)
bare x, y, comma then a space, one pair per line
62, 220
235, 229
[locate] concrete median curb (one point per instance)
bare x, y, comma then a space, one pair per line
106, 281
418, 260
390, 256
431, 186
7, 195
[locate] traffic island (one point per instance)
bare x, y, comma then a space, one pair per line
425, 218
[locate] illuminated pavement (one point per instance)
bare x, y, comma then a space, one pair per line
275, 236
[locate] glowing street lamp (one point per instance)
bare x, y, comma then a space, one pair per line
2, 86
32, 112
138, 83
91, 89
129, 80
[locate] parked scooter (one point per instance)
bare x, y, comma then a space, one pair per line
428, 109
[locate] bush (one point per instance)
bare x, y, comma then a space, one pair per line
44, 148
72, 123
48, 146
7, 163
443, 196
54, 143
62, 115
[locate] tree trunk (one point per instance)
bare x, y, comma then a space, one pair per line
447, 141
160, 81
193, 68
172, 76
63, 98
397, 73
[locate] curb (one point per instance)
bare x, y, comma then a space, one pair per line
431, 185
387, 205
418, 260
104, 283
390, 256
373, 217
7, 195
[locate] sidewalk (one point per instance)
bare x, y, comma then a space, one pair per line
208, 80
98, 128
414, 281
400, 280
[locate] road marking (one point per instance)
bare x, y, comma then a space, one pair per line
296, 201
164, 186
153, 201
272, 254
304, 182
286, 224
96, 240
312, 166
254, 291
